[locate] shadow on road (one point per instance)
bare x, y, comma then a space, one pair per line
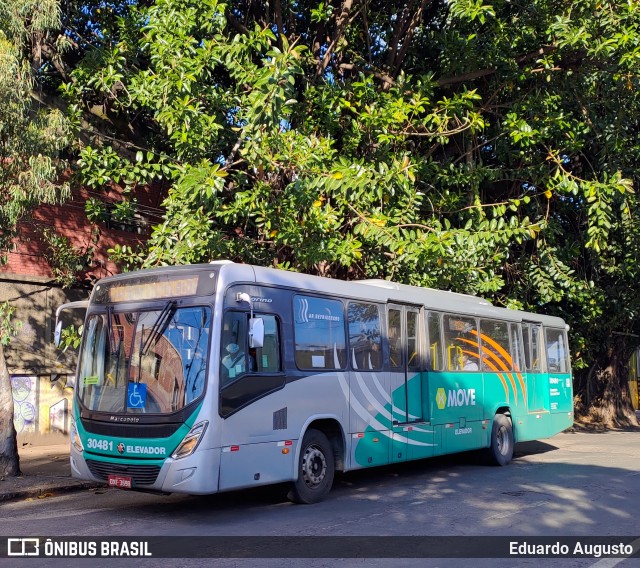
532, 448
569, 485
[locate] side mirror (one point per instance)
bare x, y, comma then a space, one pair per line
256, 332
79, 305
57, 334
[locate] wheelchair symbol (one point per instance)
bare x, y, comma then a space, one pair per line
137, 395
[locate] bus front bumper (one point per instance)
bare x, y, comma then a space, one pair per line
196, 474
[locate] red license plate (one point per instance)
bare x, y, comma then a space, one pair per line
120, 481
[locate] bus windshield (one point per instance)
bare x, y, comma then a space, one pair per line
144, 361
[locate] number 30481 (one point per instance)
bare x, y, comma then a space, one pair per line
94, 444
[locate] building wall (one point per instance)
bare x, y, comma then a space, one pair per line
70, 220
41, 406
35, 300
43, 376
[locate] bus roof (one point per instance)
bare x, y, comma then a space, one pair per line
389, 291
374, 290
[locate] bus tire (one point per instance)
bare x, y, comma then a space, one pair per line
502, 440
316, 468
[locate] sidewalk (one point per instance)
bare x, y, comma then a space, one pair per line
45, 471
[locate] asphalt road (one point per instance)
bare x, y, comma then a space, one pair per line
573, 485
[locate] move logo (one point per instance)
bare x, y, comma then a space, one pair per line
455, 397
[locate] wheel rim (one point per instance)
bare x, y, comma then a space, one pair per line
314, 466
503, 441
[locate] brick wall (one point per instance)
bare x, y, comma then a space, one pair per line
70, 220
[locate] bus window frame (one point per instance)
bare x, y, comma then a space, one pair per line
345, 331
566, 349
381, 359
271, 381
446, 345
245, 347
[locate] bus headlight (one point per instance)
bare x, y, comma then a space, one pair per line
75, 439
191, 441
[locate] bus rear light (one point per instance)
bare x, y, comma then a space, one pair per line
191, 441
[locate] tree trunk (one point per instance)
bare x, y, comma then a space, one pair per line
602, 392
9, 459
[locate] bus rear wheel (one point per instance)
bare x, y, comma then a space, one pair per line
502, 440
316, 468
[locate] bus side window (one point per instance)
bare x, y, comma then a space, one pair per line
394, 334
267, 358
233, 352
319, 332
516, 347
536, 363
557, 351
236, 358
461, 343
435, 341
364, 336
413, 341
496, 354
526, 342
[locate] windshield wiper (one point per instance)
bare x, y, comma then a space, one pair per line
155, 333
117, 351
159, 327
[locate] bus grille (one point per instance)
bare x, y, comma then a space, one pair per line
140, 474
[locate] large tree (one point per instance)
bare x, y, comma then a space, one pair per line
484, 148
31, 141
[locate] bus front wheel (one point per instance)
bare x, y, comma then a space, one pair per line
316, 468
502, 440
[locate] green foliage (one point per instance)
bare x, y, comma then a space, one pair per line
99, 167
31, 138
65, 260
488, 148
8, 328
471, 10
70, 337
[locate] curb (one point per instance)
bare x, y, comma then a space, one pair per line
44, 489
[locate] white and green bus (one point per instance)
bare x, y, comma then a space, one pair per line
215, 377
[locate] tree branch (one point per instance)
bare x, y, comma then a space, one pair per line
278, 17
377, 74
235, 23
398, 32
341, 23
407, 37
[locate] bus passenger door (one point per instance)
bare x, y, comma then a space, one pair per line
532, 337
405, 363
